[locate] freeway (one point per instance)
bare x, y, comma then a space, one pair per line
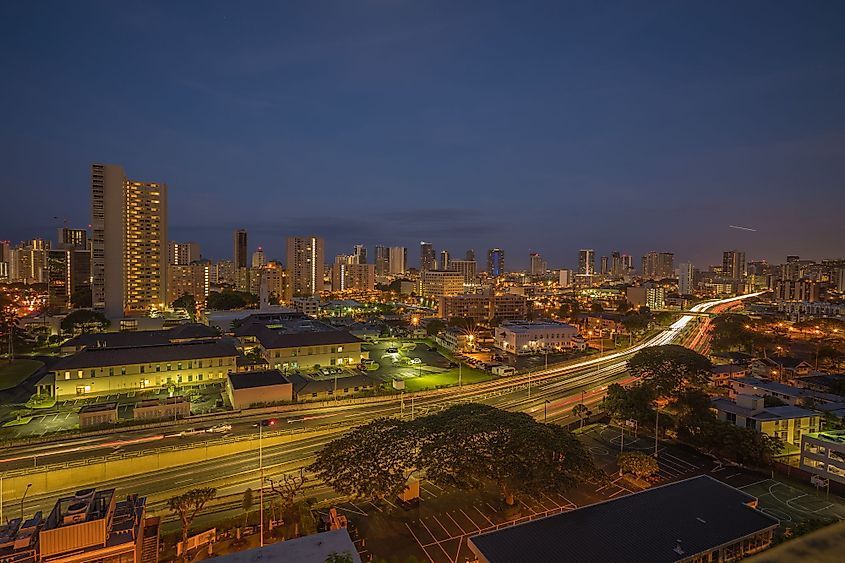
545, 392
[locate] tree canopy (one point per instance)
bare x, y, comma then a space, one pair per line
638, 463
733, 331
229, 299
466, 446
188, 303
670, 369
188, 504
84, 321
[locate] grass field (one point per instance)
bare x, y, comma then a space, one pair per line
450, 377
12, 374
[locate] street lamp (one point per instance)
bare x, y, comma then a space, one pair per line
24, 498
545, 412
262, 424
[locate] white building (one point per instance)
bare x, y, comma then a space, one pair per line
823, 454
524, 337
397, 259
565, 278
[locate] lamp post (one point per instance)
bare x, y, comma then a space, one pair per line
545, 412
23, 498
656, 419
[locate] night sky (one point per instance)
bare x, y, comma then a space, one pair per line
532, 126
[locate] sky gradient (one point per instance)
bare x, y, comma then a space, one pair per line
527, 125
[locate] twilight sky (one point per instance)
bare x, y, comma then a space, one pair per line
532, 126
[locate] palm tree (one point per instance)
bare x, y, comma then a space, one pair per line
581, 411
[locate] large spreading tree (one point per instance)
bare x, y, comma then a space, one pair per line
670, 369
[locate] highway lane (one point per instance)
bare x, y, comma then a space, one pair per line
236, 472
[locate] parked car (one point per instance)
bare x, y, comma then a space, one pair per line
220, 428
416, 361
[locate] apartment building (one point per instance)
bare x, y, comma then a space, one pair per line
507, 307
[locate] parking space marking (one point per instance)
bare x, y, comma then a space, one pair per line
482, 515
422, 547
456, 523
435, 541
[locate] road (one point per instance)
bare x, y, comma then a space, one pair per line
562, 387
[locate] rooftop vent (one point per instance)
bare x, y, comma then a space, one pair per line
678, 549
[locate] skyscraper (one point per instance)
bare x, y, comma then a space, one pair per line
72, 238
360, 253
428, 259
733, 264
470, 255
382, 260
258, 258
305, 266
398, 260
615, 264
586, 262
496, 262
686, 279
537, 264
240, 249
444, 259
658, 265
182, 253
605, 265
465, 267
128, 244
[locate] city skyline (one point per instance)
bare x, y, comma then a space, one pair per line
393, 149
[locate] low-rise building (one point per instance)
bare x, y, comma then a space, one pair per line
456, 340
526, 337
290, 342
309, 389
89, 526
186, 332
257, 387
167, 408
721, 375
789, 394
785, 422
507, 307
823, 454
694, 520
96, 415
782, 368
98, 371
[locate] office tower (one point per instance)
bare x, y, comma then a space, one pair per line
537, 264
28, 262
733, 264
182, 253
258, 258
428, 259
605, 265
565, 278
240, 249
615, 264
465, 268
436, 283
470, 255
586, 262
128, 244
360, 253
382, 260
275, 279
397, 260
59, 280
840, 280
627, 263
72, 238
686, 279
658, 265
444, 260
496, 262
305, 266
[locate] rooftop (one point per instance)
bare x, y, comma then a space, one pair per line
784, 412
665, 524
525, 326
252, 379
187, 331
315, 548
102, 357
288, 331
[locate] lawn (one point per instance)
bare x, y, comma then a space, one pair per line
450, 377
12, 374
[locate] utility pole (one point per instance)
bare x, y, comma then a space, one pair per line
656, 419
23, 498
261, 488
529, 384
545, 412
460, 370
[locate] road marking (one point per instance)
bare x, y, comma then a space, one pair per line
422, 547
482, 515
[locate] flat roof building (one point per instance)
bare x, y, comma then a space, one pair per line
256, 387
698, 519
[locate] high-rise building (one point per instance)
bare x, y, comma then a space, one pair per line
470, 255
72, 238
435, 283
658, 265
189, 279
428, 258
733, 265
444, 260
605, 265
627, 263
586, 261
495, 262
398, 259
686, 279
840, 280
347, 273
537, 264
59, 275
382, 260
240, 248
466, 268
128, 244
258, 258
565, 278
305, 266
275, 279
615, 264
360, 253
182, 253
